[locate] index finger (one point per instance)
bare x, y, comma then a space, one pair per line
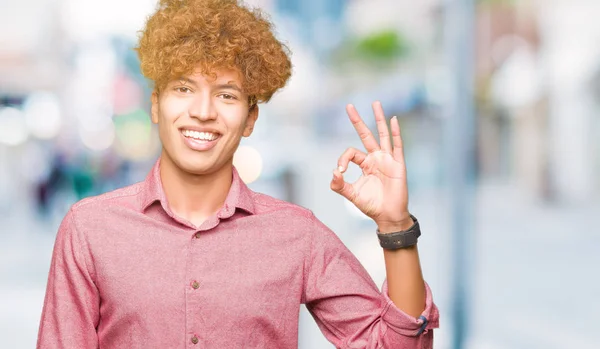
363, 131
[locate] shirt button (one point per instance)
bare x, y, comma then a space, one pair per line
197, 235
195, 285
195, 340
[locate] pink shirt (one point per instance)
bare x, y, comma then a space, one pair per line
128, 273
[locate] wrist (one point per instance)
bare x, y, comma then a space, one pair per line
391, 227
396, 235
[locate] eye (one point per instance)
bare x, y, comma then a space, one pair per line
227, 96
183, 89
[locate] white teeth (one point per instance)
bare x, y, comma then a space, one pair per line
205, 136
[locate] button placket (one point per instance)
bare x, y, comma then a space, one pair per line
194, 284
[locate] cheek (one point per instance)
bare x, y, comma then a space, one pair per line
172, 108
234, 117
168, 114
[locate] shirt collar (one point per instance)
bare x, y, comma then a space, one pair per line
239, 196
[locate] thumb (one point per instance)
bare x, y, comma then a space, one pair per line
339, 186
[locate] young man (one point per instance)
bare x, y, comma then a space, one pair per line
191, 257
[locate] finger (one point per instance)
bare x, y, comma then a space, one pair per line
351, 154
341, 187
363, 131
384, 134
398, 152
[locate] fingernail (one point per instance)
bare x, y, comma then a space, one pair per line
341, 169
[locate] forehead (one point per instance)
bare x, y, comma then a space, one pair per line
215, 76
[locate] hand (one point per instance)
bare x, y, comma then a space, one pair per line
381, 192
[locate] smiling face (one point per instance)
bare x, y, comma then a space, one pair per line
202, 120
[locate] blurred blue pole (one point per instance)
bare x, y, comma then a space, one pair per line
459, 30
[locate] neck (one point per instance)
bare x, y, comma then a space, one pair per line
194, 197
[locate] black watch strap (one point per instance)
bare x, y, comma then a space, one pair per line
400, 239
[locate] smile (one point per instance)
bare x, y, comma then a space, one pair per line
201, 136
200, 141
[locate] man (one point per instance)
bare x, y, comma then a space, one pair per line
191, 257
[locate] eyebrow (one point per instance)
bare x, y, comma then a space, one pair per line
229, 85
188, 80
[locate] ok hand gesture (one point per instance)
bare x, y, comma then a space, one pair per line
381, 192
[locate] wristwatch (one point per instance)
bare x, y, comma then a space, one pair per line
400, 239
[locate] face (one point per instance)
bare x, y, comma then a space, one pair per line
202, 120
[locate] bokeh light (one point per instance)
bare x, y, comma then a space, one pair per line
248, 161
98, 139
13, 130
135, 139
43, 115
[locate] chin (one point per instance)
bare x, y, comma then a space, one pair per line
193, 162
198, 166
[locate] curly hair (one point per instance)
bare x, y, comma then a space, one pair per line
213, 34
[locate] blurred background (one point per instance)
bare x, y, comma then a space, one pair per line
498, 103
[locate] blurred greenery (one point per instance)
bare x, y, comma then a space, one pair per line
385, 45
381, 47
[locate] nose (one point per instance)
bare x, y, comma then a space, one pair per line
203, 108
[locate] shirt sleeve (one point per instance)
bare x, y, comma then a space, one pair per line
70, 313
347, 305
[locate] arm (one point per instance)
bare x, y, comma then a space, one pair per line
349, 308
405, 279
71, 307
382, 194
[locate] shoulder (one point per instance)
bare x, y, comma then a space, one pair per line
293, 216
122, 198
266, 204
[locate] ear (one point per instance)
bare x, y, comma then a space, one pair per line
154, 109
251, 120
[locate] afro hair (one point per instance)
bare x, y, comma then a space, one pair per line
183, 35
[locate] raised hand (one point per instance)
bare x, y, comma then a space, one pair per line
381, 192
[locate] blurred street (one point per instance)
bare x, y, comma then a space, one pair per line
502, 97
